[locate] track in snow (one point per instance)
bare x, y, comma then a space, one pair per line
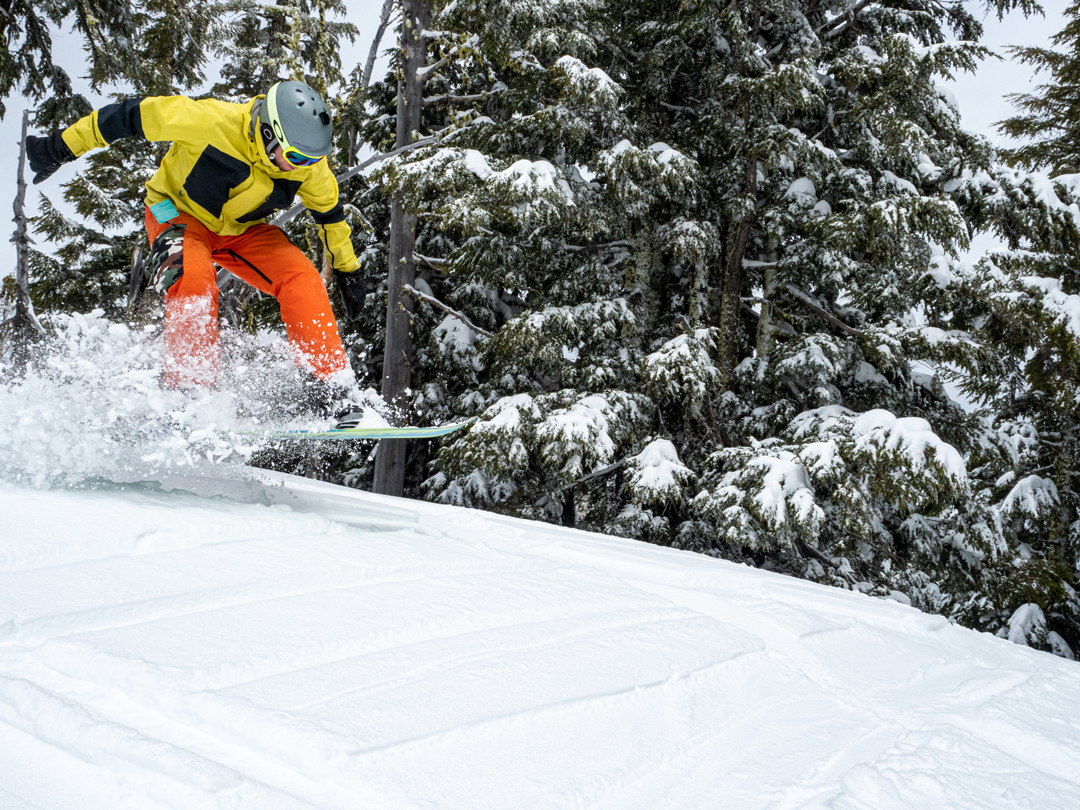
296, 645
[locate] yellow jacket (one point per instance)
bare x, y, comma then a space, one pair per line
217, 170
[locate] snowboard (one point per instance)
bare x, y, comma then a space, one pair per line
367, 433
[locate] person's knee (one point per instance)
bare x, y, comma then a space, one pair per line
304, 289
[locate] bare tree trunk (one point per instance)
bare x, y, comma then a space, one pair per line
24, 321
397, 371
639, 274
373, 54
767, 328
731, 303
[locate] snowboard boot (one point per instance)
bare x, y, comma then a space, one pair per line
329, 401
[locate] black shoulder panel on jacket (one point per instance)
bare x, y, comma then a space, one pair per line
280, 197
212, 177
121, 120
335, 214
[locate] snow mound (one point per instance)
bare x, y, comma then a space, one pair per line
300, 645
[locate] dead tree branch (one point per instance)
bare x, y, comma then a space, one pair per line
435, 302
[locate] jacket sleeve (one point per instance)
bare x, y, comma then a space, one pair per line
319, 194
155, 118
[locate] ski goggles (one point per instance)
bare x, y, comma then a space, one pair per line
299, 158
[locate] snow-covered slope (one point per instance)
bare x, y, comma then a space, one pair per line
298, 645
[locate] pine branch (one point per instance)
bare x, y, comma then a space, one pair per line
411, 290
459, 99
603, 246
435, 264
676, 108
618, 465
837, 24
425, 72
839, 324
290, 214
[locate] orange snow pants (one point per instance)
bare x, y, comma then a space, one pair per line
263, 257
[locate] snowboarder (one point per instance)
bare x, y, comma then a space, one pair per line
230, 167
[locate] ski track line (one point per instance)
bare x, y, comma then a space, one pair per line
277, 773
28, 633
1033, 750
61, 652
75, 729
647, 770
679, 681
9, 801
681, 699
793, 697
693, 571
144, 534
158, 541
300, 513
496, 651
791, 647
909, 715
775, 637
316, 767
140, 678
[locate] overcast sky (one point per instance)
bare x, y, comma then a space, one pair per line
981, 96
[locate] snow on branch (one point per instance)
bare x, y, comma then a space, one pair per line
499, 88
290, 214
834, 26
657, 475
435, 302
428, 71
839, 324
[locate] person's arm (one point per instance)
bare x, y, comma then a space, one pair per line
155, 118
319, 194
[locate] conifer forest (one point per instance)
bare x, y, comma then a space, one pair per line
702, 269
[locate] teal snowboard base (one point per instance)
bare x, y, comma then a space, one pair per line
370, 433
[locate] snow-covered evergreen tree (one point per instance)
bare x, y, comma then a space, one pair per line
26, 51
711, 247
1021, 304
290, 39
510, 223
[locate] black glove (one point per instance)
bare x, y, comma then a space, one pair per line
353, 292
47, 154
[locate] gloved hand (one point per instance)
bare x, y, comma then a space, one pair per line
353, 292
47, 154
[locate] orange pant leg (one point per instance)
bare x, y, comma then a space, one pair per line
265, 258
192, 352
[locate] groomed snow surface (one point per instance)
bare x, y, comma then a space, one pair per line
294, 644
